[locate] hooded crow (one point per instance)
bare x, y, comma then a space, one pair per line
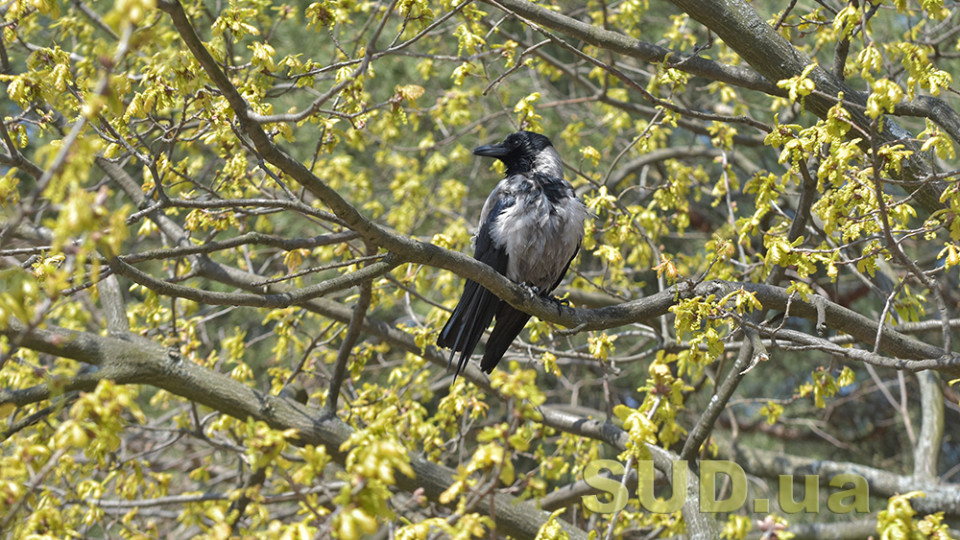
531, 227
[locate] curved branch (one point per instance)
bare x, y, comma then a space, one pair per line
806, 341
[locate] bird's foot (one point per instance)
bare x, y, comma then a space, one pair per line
531, 290
560, 303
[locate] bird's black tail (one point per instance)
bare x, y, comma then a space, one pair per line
510, 322
469, 319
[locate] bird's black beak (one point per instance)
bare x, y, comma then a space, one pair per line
492, 150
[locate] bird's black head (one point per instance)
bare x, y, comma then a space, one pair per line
523, 152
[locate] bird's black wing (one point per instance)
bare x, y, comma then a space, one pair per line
477, 305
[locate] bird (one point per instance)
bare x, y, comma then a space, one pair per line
531, 227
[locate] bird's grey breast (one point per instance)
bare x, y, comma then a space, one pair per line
541, 230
